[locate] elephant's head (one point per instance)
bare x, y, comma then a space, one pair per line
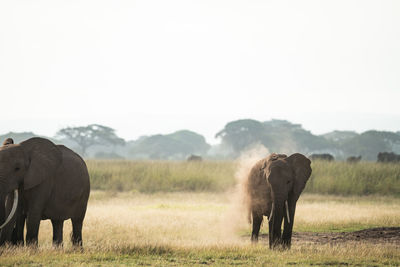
24, 166
287, 178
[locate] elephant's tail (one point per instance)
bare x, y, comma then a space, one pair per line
249, 217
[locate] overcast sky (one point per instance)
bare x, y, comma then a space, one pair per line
147, 67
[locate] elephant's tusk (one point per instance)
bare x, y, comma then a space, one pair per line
14, 208
272, 211
287, 211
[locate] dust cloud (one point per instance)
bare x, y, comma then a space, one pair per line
238, 214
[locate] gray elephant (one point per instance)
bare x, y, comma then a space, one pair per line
327, 157
274, 185
45, 181
194, 158
353, 159
388, 157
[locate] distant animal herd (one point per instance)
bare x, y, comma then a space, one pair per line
381, 157
40, 180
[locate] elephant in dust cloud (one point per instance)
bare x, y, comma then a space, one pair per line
274, 185
45, 181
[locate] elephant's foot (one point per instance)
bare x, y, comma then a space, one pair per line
254, 239
58, 244
275, 244
32, 244
286, 243
286, 239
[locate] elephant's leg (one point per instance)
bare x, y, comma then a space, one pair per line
288, 227
76, 237
57, 232
275, 224
32, 228
257, 220
35, 201
18, 233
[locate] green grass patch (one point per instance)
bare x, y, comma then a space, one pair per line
336, 178
364, 178
161, 176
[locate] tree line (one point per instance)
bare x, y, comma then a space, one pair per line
281, 136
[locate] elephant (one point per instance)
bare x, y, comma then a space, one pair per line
353, 159
45, 181
274, 185
194, 158
388, 157
327, 157
8, 141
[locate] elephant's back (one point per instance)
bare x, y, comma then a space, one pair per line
258, 189
256, 184
256, 176
74, 167
71, 187
74, 170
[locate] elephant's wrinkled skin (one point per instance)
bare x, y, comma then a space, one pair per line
274, 186
53, 183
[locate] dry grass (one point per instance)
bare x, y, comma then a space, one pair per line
195, 216
196, 228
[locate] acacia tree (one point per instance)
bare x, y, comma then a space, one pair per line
277, 135
93, 134
242, 133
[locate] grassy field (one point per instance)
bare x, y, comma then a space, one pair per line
189, 213
161, 176
338, 178
364, 178
210, 228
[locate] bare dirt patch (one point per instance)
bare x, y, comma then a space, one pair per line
381, 235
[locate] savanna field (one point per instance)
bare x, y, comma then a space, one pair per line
191, 213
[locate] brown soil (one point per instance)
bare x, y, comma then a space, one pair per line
373, 235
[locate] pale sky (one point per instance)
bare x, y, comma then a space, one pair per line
157, 66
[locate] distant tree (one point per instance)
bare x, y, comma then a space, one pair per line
17, 137
278, 136
177, 145
107, 155
339, 136
242, 133
93, 134
370, 143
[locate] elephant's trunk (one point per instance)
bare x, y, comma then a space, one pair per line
2, 208
275, 224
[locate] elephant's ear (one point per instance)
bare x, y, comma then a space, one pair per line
43, 158
302, 171
8, 141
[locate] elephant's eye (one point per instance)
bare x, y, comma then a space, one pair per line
16, 169
288, 182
